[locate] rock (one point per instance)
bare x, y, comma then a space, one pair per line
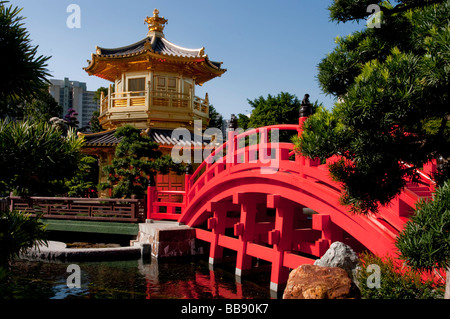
316, 282
342, 256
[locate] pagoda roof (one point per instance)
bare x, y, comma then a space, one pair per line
151, 43
156, 44
160, 136
154, 52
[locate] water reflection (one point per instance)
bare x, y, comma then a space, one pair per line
62, 291
134, 279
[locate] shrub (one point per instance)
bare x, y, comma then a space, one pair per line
396, 281
18, 232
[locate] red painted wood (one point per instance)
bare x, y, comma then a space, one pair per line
232, 194
217, 224
245, 229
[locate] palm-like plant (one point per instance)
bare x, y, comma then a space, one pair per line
24, 73
18, 233
36, 158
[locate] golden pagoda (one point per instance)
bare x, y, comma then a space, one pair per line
153, 81
153, 89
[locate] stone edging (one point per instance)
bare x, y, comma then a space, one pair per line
57, 251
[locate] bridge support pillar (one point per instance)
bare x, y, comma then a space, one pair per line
151, 196
245, 229
217, 224
330, 232
281, 239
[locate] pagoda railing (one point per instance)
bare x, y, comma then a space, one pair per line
125, 99
200, 105
103, 104
169, 99
153, 99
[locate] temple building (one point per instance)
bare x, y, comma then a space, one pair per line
152, 88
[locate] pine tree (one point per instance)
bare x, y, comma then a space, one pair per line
392, 85
94, 123
136, 159
425, 241
84, 183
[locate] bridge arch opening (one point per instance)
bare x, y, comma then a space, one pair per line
254, 228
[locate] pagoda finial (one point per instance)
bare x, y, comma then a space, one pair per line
155, 23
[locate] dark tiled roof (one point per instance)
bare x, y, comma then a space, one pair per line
160, 136
158, 45
105, 138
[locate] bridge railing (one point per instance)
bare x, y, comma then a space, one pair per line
165, 204
256, 148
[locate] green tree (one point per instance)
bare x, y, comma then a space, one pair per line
281, 109
42, 108
23, 72
392, 84
425, 241
35, 157
84, 183
94, 123
242, 121
136, 158
215, 118
98, 93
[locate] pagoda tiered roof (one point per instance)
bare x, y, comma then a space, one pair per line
153, 52
152, 44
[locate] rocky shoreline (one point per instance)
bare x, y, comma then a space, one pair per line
331, 277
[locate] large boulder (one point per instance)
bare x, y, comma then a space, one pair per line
316, 282
342, 256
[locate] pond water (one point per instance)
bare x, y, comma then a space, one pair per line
178, 278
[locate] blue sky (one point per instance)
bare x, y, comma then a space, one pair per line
266, 46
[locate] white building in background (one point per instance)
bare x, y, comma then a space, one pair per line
74, 94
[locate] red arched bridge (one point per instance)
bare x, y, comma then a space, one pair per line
261, 200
